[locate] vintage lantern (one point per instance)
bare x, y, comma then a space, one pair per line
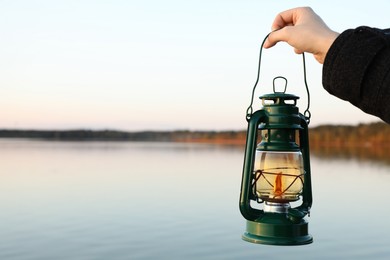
276, 172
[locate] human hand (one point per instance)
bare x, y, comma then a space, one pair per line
304, 30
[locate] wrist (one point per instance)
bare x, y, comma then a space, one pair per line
326, 43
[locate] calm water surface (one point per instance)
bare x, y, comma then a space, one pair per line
124, 200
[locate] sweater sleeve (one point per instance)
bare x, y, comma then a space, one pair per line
357, 69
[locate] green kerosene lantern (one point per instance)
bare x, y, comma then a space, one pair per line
276, 173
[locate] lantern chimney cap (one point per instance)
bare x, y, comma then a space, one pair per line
280, 95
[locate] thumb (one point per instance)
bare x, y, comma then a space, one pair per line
274, 37
298, 51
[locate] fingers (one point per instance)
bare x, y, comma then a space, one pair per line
286, 25
284, 19
304, 30
281, 21
275, 37
291, 17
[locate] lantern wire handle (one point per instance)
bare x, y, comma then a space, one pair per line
307, 113
249, 110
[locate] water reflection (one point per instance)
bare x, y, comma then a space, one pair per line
118, 200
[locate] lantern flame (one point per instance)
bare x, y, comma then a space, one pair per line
278, 189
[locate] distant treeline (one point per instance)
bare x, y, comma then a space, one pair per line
112, 135
364, 141
363, 135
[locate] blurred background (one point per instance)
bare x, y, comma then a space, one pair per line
162, 66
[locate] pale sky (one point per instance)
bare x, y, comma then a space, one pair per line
161, 65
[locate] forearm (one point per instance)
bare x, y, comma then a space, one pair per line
357, 69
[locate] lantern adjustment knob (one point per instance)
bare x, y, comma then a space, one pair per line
295, 215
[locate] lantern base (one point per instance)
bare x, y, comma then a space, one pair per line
277, 229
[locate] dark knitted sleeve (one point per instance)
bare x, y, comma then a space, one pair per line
357, 69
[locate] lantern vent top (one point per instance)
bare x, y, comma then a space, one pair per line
279, 99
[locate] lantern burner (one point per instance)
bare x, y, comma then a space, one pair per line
275, 207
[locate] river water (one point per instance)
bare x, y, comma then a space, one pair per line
136, 200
